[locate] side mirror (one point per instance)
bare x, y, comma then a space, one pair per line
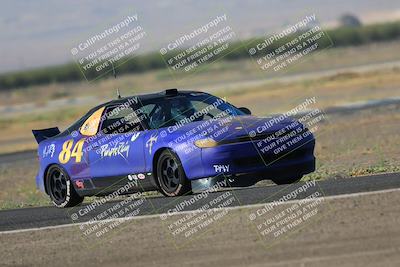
245, 110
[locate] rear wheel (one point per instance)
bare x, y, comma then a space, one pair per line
171, 176
60, 189
290, 180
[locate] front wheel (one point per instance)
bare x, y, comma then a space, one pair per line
290, 180
171, 176
60, 189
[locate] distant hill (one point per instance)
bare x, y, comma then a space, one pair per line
40, 33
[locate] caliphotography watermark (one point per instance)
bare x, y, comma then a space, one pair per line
205, 43
195, 126
110, 47
282, 138
297, 207
104, 217
279, 51
192, 216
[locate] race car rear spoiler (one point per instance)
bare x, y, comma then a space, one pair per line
44, 134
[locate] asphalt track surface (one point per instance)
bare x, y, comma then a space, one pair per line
18, 156
50, 216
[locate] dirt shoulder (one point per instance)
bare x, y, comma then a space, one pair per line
356, 231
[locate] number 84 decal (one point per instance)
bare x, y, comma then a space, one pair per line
69, 150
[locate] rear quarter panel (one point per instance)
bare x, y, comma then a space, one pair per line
49, 152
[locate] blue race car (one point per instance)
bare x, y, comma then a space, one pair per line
175, 142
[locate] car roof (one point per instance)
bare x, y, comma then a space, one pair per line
168, 93
143, 98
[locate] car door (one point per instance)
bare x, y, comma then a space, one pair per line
117, 148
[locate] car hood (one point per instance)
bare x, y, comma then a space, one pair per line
239, 127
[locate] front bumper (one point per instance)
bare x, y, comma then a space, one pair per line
247, 158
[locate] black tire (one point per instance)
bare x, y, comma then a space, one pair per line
60, 189
290, 180
171, 177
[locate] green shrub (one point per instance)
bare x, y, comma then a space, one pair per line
342, 36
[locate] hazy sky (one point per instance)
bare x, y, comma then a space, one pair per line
42, 32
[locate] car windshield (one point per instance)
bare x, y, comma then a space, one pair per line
186, 108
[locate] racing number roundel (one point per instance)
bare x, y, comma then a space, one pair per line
91, 125
70, 149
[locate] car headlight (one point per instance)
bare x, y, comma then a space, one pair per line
205, 143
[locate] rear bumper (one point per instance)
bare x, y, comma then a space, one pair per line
40, 180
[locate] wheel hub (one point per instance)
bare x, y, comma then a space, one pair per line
58, 186
170, 175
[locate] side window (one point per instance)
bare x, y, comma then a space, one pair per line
181, 108
203, 106
154, 114
91, 125
120, 119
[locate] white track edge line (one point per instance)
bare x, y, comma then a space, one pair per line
191, 211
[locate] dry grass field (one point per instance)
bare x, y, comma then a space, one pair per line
347, 145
